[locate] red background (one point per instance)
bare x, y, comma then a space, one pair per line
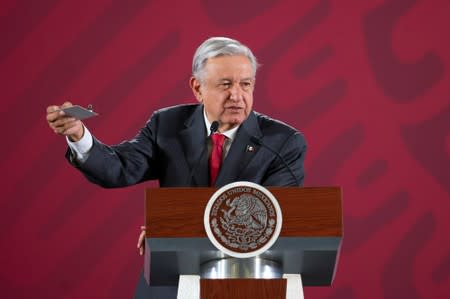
367, 82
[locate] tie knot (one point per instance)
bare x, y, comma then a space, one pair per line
217, 138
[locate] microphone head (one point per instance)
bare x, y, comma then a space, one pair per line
214, 127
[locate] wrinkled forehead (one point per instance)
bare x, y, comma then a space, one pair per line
229, 67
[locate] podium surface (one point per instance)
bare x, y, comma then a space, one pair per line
309, 241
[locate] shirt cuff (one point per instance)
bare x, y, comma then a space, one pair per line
82, 147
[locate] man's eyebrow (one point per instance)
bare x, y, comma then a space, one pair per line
229, 80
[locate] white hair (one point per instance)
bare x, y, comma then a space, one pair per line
219, 46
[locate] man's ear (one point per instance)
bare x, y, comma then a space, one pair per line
195, 87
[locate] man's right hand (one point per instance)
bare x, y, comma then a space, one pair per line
63, 124
141, 243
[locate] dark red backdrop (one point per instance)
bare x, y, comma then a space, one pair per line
368, 83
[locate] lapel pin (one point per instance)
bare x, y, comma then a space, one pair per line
250, 148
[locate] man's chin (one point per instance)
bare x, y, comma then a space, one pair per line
233, 121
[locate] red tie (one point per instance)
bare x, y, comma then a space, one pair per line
215, 160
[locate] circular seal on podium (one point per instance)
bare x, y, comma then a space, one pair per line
243, 219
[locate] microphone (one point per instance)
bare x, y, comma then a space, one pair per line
212, 129
258, 141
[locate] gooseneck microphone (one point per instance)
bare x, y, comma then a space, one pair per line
212, 129
258, 141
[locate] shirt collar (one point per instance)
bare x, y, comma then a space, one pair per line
230, 134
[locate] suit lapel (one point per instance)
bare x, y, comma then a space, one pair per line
193, 138
242, 150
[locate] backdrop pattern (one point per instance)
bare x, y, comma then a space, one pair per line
367, 82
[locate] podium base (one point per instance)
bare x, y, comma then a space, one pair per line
192, 287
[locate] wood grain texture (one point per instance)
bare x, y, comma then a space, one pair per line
242, 288
178, 212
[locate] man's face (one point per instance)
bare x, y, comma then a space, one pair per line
226, 90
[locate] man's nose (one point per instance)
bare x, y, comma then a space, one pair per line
236, 93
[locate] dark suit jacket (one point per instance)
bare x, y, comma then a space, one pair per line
172, 148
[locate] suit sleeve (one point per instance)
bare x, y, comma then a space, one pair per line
293, 153
127, 163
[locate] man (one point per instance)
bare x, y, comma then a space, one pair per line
175, 145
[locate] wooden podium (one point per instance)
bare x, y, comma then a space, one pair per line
309, 241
